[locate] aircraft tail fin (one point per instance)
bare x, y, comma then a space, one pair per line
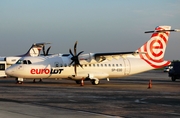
35, 49
155, 48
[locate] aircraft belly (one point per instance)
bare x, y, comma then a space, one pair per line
37, 76
83, 74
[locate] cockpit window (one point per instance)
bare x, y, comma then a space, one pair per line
23, 62
29, 62
19, 62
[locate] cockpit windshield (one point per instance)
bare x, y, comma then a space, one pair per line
23, 62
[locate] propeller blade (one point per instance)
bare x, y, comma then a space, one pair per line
75, 58
71, 62
75, 45
81, 66
80, 53
48, 51
44, 50
75, 69
71, 52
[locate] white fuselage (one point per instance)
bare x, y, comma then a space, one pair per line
58, 67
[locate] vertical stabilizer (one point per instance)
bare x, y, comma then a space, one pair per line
155, 48
35, 49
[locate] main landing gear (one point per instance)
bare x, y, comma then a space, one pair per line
93, 81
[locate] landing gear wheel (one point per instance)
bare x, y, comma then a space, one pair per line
19, 80
95, 82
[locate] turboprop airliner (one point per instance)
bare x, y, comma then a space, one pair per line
34, 50
96, 66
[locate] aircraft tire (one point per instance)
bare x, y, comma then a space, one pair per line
95, 82
18, 82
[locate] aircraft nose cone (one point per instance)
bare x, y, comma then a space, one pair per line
9, 72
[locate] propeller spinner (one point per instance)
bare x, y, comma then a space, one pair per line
75, 58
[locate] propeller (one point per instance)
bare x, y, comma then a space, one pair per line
47, 51
75, 58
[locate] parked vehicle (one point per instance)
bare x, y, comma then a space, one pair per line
174, 73
3, 67
167, 68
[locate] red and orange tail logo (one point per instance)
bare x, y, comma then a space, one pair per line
155, 48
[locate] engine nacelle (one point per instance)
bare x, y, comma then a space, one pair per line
90, 58
11, 60
86, 58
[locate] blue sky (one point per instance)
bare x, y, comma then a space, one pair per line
97, 25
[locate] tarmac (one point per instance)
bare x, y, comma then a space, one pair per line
128, 97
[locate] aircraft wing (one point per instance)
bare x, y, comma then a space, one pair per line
99, 57
113, 55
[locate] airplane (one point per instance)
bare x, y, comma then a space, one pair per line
96, 66
34, 50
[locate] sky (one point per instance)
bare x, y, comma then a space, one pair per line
97, 25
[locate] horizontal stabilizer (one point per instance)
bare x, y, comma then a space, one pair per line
41, 43
159, 31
